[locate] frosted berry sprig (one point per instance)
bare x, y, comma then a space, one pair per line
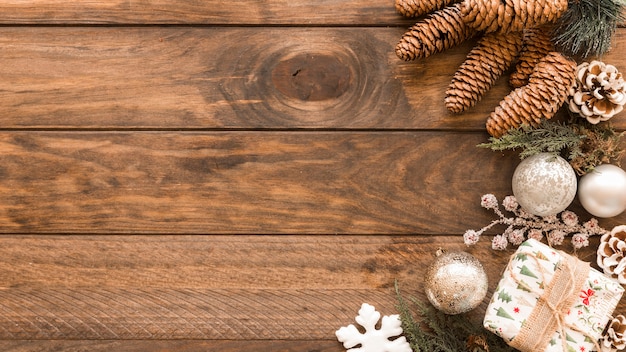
524, 225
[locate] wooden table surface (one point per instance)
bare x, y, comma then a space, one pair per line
228, 175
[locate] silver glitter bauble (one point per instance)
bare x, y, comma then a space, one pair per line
544, 184
602, 192
456, 282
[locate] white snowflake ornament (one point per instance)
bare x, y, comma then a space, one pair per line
373, 340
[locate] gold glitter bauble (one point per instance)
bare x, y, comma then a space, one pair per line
456, 282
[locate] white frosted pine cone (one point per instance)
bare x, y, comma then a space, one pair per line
614, 338
611, 251
598, 93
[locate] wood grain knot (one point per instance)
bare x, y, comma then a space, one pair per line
306, 80
310, 77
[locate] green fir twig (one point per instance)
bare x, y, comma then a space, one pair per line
584, 145
587, 26
548, 137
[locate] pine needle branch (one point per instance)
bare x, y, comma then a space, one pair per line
587, 26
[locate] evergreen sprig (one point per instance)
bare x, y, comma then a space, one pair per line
548, 137
601, 145
585, 29
435, 331
584, 145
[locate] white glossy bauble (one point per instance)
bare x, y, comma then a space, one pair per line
456, 282
544, 184
602, 192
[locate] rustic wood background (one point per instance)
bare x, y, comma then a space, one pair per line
227, 175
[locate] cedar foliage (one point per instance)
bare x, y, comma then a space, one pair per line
584, 145
433, 331
548, 137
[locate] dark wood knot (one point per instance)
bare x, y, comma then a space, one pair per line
312, 77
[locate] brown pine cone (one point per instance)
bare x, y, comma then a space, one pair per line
555, 70
517, 108
485, 63
439, 31
510, 15
611, 253
536, 45
614, 338
480, 13
415, 8
542, 97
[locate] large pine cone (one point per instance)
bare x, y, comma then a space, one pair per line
610, 253
537, 44
615, 335
598, 93
441, 30
541, 98
511, 15
415, 8
485, 63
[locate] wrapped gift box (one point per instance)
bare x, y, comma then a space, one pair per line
541, 297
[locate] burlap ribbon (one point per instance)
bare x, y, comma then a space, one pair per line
548, 316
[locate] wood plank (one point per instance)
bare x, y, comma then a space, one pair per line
252, 182
202, 78
214, 12
212, 287
216, 262
171, 346
176, 313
